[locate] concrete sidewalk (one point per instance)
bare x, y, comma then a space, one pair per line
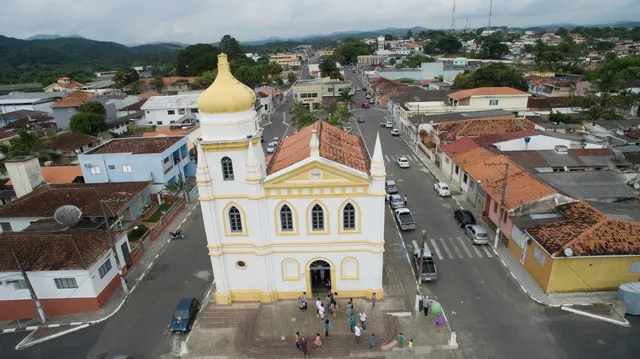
511, 264
118, 298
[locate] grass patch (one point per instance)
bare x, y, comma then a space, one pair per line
137, 233
155, 217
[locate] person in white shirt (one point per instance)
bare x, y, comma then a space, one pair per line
318, 305
358, 333
321, 312
363, 321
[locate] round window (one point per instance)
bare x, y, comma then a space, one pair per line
241, 264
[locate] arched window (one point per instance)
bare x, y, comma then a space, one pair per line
317, 218
348, 217
235, 219
286, 219
227, 169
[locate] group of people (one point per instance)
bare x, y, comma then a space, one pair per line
331, 305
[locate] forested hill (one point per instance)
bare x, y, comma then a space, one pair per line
23, 61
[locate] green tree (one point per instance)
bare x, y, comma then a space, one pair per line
388, 37
328, 68
349, 49
414, 61
27, 144
196, 59
93, 107
157, 83
348, 96
392, 61
176, 188
448, 44
409, 34
291, 78
495, 74
301, 116
125, 77
88, 123
493, 48
132, 128
562, 32
205, 79
340, 118
231, 47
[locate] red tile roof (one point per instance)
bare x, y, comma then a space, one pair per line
335, 145
134, 107
58, 174
137, 145
587, 232
451, 131
458, 147
74, 99
148, 94
46, 199
70, 141
486, 91
501, 137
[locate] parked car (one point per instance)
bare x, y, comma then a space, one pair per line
276, 140
403, 162
390, 186
405, 219
366, 105
185, 315
395, 132
360, 119
371, 101
463, 217
271, 147
357, 88
442, 189
477, 234
396, 201
388, 124
368, 96
429, 272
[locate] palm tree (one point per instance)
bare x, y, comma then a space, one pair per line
301, 116
348, 97
176, 188
28, 144
626, 100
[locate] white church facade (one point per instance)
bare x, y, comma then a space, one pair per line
308, 216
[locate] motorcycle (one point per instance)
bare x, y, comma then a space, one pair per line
176, 235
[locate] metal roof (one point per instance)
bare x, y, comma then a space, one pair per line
29, 97
589, 185
171, 102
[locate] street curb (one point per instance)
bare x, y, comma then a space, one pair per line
76, 325
42, 340
595, 316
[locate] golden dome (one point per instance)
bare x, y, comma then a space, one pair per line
226, 94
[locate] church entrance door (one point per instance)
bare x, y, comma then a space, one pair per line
320, 274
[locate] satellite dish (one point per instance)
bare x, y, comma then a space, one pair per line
636, 185
68, 215
568, 252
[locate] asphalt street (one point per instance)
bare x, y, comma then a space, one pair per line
491, 315
141, 327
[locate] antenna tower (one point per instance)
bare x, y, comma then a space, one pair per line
490, 8
453, 17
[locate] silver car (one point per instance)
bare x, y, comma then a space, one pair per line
395, 201
477, 234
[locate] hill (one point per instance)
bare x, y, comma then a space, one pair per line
51, 37
23, 61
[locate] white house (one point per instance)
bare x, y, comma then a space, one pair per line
542, 142
312, 214
171, 110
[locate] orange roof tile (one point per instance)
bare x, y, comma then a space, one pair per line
451, 131
458, 147
486, 91
59, 174
335, 145
73, 100
587, 232
473, 157
522, 188
148, 94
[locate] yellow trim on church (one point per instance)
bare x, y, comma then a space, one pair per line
257, 295
240, 145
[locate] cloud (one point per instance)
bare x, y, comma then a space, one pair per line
192, 21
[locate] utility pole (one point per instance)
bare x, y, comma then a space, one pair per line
123, 281
504, 194
453, 17
490, 8
34, 298
423, 244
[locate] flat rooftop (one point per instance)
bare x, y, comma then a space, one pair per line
171, 102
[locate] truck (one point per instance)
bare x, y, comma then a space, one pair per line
429, 272
405, 219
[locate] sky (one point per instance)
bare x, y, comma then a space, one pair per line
193, 21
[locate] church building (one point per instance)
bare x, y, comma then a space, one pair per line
308, 216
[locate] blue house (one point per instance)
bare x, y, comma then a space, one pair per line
161, 160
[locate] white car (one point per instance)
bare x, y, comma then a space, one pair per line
388, 124
271, 147
368, 96
442, 189
403, 162
395, 132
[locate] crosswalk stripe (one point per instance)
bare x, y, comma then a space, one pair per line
416, 158
446, 249
435, 247
415, 244
465, 247
455, 248
475, 248
386, 158
486, 250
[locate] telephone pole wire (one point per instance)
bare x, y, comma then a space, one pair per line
34, 298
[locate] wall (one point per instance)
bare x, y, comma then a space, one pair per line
507, 103
506, 226
540, 273
538, 142
585, 274
63, 115
19, 224
161, 116
426, 71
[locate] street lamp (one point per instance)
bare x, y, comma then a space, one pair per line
504, 194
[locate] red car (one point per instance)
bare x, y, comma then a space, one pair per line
366, 105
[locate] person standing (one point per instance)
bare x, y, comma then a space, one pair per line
373, 299
358, 333
410, 345
318, 305
332, 310
349, 308
327, 326
352, 322
387, 197
400, 341
318, 341
372, 341
335, 300
298, 340
305, 299
304, 347
300, 305
329, 285
363, 321
405, 200
321, 312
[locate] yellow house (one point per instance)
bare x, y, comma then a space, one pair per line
326, 53
584, 250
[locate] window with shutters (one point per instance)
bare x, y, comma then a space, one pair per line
349, 217
235, 220
286, 219
227, 169
317, 218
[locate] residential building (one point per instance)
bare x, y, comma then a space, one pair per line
427, 70
615, 132
67, 145
65, 108
314, 70
133, 108
580, 250
544, 141
27, 120
65, 84
602, 186
380, 86
334, 88
551, 86
308, 92
146, 95
564, 159
365, 60
191, 132
105, 74
50, 174
284, 59
31, 101
264, 217
488, 98
171, 110
438, 85
326, 53
267, 99
159, 160
172, 84
401, 107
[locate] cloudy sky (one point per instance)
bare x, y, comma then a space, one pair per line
192, 21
